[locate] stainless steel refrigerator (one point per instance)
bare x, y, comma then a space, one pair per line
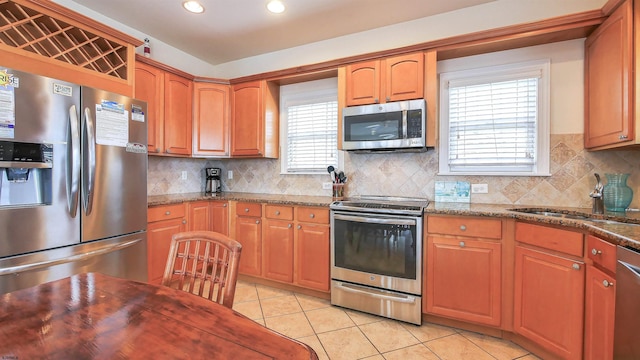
73, 181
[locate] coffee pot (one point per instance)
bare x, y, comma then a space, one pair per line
212, 184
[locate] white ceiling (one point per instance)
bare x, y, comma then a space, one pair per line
234, 29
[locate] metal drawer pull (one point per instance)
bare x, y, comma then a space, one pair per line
462, 244
167, 213
607, 283
246, 209
596, 252
463, 227
576, 266
277, 212
623, 137
312, 215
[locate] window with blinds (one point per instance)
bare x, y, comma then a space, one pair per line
309, 126
495, 120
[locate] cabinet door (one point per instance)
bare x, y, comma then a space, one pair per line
249, 234
158, 242
277, 250
312, 256
178, 95
220, 217
599, 315
246, 129
363, 83
199, 216
149, 87
403, 77
549, 301
464, 279
609, 80
211, 119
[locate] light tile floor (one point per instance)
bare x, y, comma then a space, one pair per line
336, 333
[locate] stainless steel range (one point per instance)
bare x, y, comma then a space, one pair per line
376, 256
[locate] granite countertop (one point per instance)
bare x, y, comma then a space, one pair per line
625, 232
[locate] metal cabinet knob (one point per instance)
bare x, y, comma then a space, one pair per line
277, 212
184, 221
607, 283
596, 251
576, 266
289, 226
224, 205
388, 98
299, 226
167, 213
246, 209
312, 215
463, 227
623, 137
257, 221
462, 244
376, 100
167, 151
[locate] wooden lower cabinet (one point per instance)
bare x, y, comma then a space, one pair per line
277, 250
312, 256
164, 222
209, 216
464, 279
549, 301
599, 315
249, 234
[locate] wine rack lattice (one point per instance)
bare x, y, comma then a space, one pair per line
27, 29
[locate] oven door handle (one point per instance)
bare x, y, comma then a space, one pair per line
375, 220
373, 293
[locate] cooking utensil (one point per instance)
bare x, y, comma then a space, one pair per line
341, 177
330, 170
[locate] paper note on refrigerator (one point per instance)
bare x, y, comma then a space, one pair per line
112, 124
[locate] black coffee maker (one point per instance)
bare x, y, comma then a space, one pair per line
213, 184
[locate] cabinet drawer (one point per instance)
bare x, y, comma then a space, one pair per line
164, 212
601, 252
464, 226
316, 215
568, 242
278, 212
249, 209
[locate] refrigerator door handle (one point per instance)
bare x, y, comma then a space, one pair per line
88, 181
73, 161
70, 259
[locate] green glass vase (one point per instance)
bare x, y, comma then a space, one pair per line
617, 195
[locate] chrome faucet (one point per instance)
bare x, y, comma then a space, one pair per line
598, 197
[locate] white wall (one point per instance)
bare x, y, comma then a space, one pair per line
491, 15
567, 78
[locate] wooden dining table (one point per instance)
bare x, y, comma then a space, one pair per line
94, 316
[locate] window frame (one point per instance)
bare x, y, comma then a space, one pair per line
496, 74
298, 94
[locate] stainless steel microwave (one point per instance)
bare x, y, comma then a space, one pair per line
394, 126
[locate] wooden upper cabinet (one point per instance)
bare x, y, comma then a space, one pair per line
379, 81
149, 87
609, 82
254, 125
363, 83
178, 93
211, 119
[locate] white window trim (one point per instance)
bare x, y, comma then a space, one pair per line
294, 94
541, 167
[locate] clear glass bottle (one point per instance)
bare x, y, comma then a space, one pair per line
617, 195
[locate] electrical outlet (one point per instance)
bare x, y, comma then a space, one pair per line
479, 188
230, 174
326, 185
184, 175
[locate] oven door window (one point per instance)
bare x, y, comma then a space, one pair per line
373, 127
374, 245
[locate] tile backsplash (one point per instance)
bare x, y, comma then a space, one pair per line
411, 174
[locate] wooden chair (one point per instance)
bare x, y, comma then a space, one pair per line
204, 263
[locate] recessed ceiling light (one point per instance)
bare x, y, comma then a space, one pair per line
193, 6
275, 6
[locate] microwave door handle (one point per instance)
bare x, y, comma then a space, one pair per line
404, 124
73, 161
90, 152
373, 220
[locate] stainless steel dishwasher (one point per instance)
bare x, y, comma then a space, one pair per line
626, 343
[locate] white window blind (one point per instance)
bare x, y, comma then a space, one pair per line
493, 121
309, 126
312, 138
